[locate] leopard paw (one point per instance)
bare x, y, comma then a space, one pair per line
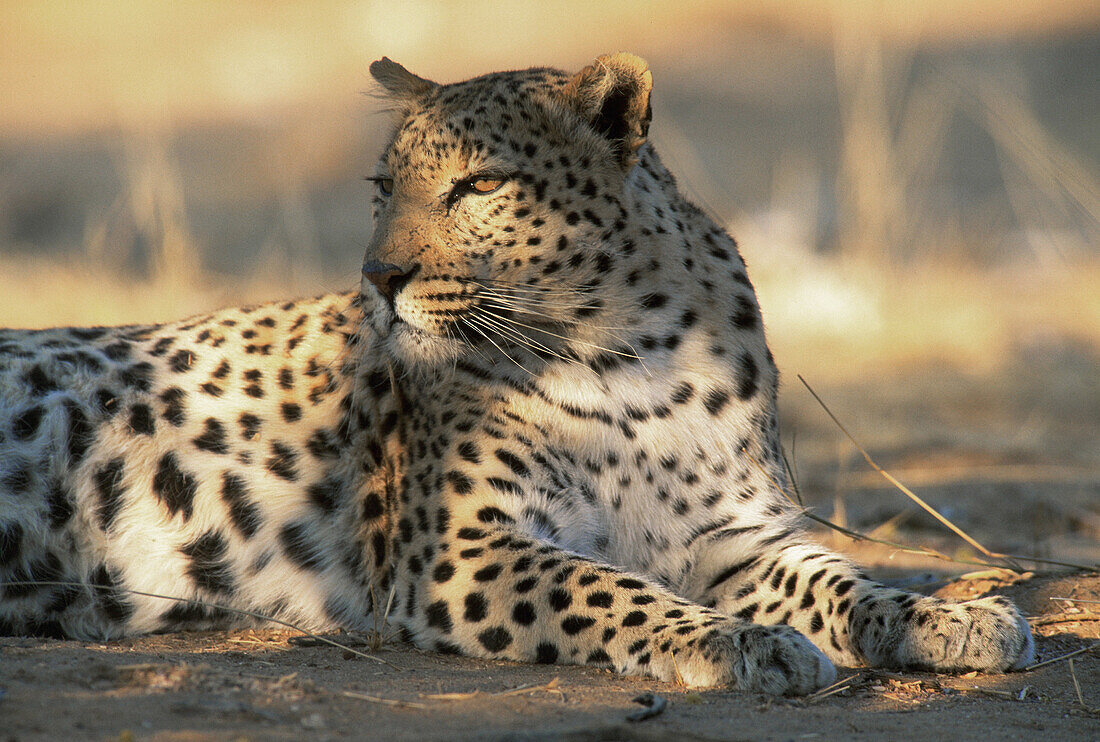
987, 634
766, 659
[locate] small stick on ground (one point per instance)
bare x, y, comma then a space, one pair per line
829, 690
1077, 686
385, 701
1063, 618
1066, 656
529, 688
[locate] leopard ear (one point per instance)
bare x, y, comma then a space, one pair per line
401, 85
612, 95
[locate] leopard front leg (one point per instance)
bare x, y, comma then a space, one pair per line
772, 576
497, 592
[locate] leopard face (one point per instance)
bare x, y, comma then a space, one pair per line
499, 216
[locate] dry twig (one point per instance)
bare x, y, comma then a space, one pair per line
385, 701
1063, 618
1066, 656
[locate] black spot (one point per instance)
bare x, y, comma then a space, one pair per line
468, 450
748, 612
282, 461
87, 333
173, 405
300, 549
560, 599
744, 317
654, 301
683, 393
462, 484
139, 376
292, 412
325, 494
106, 401
506, 486
716, 399
491, 514
321, 446
513, 462
11, 542
495, 639
80, 433
141, 419
439, 617
174, 487
598, 657
209, 569
118, 351
244, 514
524, 613
39, 382
182, 360
546, 654
161, 346
634, 618
372, 506
576, 624
213, 438
476, 607
108, 485
746, 382
731, 571
108, 598
378, 546
59, 502
471, 534
630, 583
600, 599
443, 572
488, 573
250, 425
25, 425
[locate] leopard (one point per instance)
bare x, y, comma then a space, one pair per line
542, 429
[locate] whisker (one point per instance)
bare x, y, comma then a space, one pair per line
632, 354
493, 343
501, 324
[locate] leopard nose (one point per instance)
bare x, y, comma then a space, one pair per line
386, 277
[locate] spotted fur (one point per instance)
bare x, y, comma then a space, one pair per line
546, 422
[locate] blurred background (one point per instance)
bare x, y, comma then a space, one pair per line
914, 185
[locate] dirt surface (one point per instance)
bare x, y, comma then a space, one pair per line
259, 685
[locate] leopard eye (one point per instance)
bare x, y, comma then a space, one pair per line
486, 185
385, 185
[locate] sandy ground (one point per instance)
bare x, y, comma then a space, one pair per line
956, 438
257, 685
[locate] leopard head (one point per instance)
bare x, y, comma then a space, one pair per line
501, 213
